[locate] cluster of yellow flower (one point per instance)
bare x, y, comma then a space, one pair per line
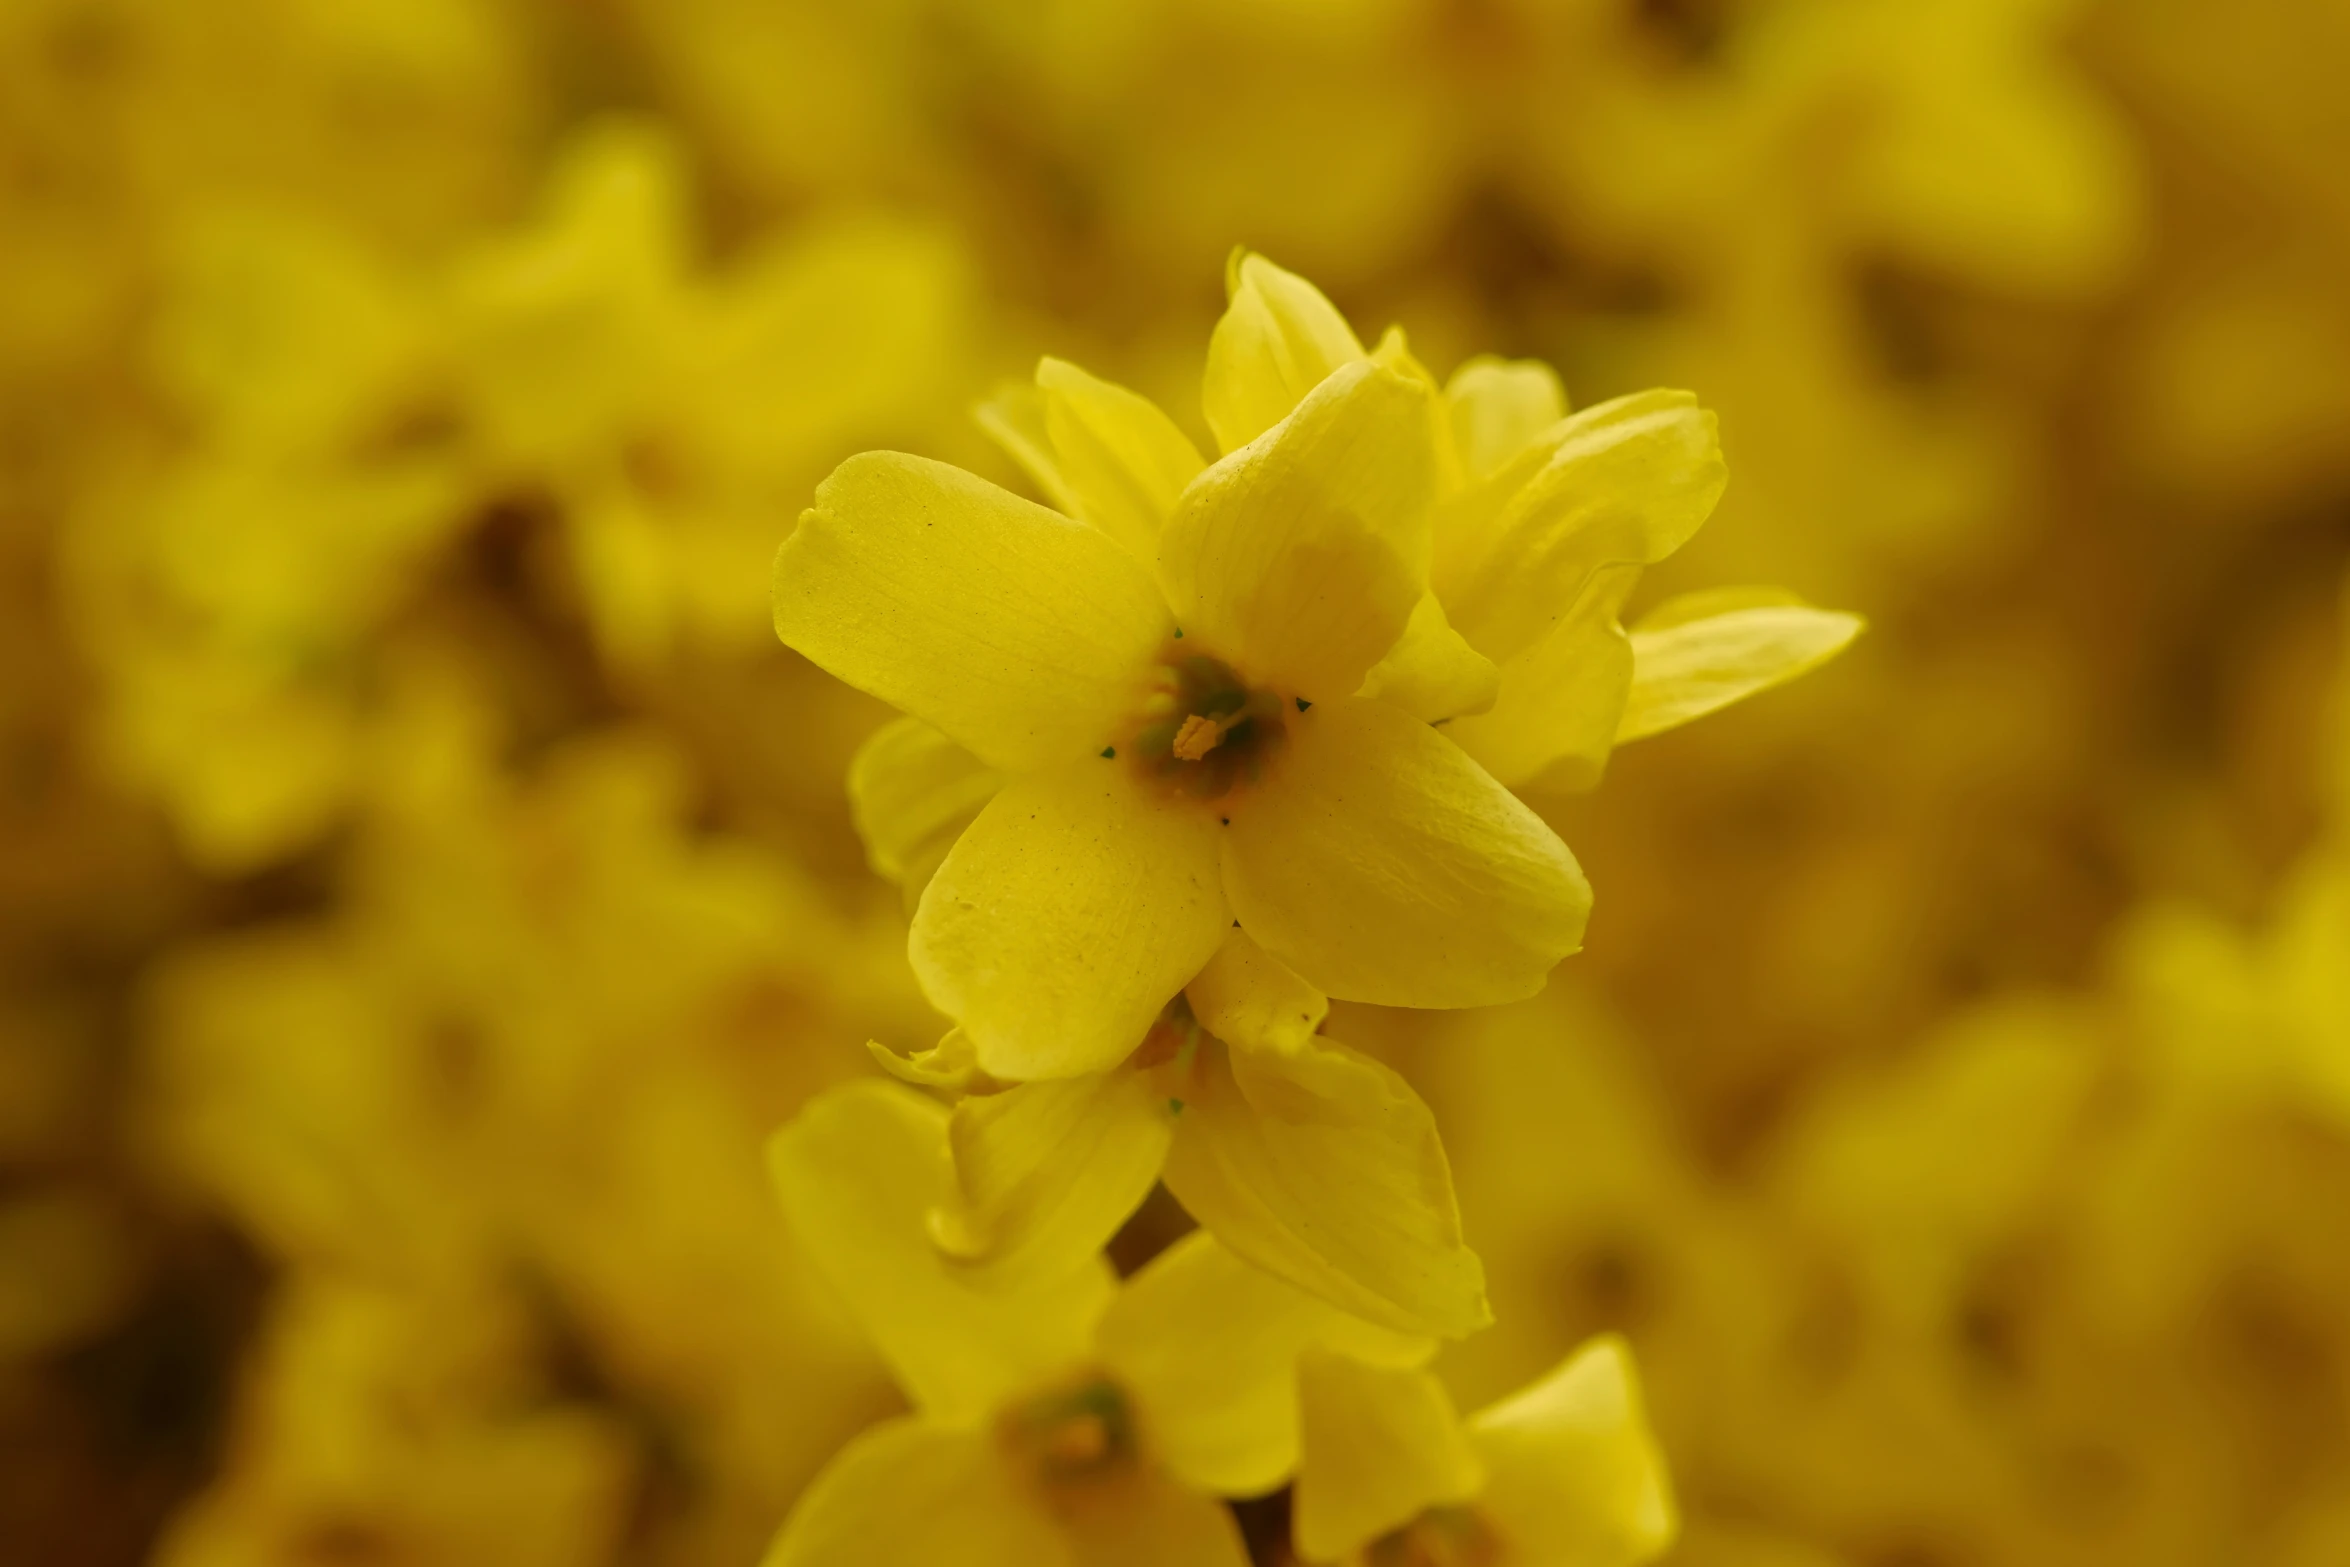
442, 924
1183, 762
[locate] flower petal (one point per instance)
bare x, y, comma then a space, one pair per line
1123, 460
1573, 1473
1067, 916
912, 791
1145, 1519
857, 1171
1023, 634
1432, 673
1323, 1167
1279, 338
1383, 865
1208, 1347
1703, 651
1627, 481
1499, 407
1554, 723
911, 1493
1300, 557
1046, 1172
1380, 1446
1247, 995
1013, 417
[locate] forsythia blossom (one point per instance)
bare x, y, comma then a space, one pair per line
1072, 1421
1209, 692
1309, 1159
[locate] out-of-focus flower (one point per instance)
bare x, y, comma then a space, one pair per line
671, 416
1561, 1474
350, 423
383, 1425
1068, 1419
231, 598
536, 1056
2261, 1014
2235, 389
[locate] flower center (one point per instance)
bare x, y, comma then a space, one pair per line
1073, 1434
1439, 1537
1203, 730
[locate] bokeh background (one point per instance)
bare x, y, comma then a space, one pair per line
424, 879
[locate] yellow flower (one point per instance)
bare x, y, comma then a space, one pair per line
1307, 1159
1561, 1474
1066, 1421
2253, 1015
232, 600
669, 410
406, 1426
1172, 683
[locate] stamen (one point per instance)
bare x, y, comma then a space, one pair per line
1201, 734
1080, 1431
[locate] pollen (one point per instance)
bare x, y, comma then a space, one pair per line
1200, 735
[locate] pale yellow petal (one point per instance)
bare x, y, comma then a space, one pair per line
1380, 1446
1432, 673
1299, 558
1383, 865
1499, 407
1025, 635
1146, 1519
1626, 482
1323, 1167
909, 1493
1046, 1172
1208, 1347
1067, 916
1562, 700
912, 791
1014, 418
857, 1171
1394, 352
1574, 1477
1248, 995
1123, 460
1703, 651
1278, 339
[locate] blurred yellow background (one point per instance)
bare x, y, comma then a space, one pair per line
424, 880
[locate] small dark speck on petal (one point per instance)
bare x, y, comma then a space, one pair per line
1226, 820
1109, 750
1303, 704
1178, 633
